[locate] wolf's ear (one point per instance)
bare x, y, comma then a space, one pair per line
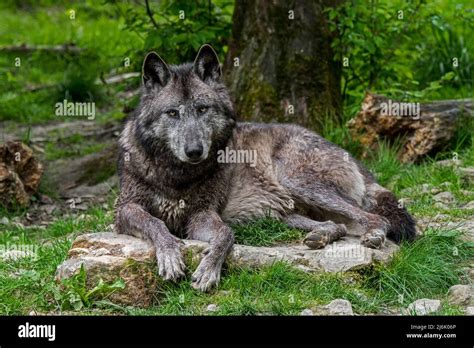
206, 64
155, 71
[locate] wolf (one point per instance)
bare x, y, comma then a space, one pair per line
172, 185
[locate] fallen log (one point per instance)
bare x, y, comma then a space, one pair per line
24, 48
422, 128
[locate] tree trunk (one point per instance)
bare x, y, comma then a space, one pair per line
423, 133
281, 69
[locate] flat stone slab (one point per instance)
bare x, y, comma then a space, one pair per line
108, 255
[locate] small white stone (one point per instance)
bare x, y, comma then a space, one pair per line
212, 308
470, 310
306, 312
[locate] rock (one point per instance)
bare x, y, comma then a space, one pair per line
419, 189
20, 174
469, 205
449, 163
440, 205
306, 312
109, 255
423, 307
441, 217
212, 308
72, 177
465, 226
467, 174
336, 307
4, 221
444, 197
470, 310
446, 184
460, 295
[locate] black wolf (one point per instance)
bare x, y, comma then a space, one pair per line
174, 183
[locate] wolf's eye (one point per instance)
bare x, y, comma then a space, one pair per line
172, 112
202, 109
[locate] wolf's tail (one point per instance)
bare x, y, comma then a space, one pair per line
402, 225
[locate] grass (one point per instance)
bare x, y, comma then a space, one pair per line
424, 269
265, 232
73, 146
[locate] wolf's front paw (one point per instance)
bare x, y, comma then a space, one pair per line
170, 261
373, 239
207, 275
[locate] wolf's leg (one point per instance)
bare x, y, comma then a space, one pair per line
209, 227
133, 219
320, 233
324, 197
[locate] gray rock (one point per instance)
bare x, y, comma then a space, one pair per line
425, 188
467, 174
449, 163
460, 295
470, 310
423, 307
109, 255
338, 307
306, 312
469, 205
444, 197
440, 205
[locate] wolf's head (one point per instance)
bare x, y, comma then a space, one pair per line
185, 110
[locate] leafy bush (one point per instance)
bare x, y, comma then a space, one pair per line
402, 49
176, 29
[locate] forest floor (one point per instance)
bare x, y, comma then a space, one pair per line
79, 187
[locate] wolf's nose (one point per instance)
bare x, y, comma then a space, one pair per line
193, 151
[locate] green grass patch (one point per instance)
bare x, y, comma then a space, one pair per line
73, 146
265, 232
424, 269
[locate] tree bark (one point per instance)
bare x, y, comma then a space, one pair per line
425, 134
285, 71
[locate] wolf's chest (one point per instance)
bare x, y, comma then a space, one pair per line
171, 211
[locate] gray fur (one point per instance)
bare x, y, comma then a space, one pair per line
297, 177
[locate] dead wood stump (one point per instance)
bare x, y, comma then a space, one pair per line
20, 174
422, 128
